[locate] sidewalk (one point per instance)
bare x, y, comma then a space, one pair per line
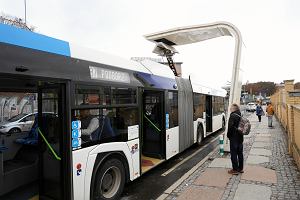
270, 173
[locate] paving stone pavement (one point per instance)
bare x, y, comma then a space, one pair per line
259, 174
255, 160
252, 191
270, 172
261, 144
260, 152
221, 162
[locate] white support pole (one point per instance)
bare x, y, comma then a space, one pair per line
235, 88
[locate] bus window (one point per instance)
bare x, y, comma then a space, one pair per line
104, 95
199, 106
124, 96
92, 95
173, 109
218, 105
105, 125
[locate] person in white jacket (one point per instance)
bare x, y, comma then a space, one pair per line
89, 123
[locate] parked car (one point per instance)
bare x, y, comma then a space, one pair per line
19, 123
251, 107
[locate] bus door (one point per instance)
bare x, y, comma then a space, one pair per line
209, 113
153, 124
52, 131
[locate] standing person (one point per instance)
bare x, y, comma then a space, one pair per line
270, 113
236, 141
259, 111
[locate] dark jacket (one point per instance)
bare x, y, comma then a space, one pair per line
259, 110
233, 124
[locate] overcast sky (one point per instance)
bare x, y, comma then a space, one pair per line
270, 30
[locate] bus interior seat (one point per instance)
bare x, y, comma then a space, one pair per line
32, 138
108, 131
27, 153
15, 141
104, 130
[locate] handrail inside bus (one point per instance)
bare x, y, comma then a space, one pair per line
152, 123
48, 144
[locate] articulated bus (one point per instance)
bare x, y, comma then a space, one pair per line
98, 121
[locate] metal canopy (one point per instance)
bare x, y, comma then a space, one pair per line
202, 32
189, 34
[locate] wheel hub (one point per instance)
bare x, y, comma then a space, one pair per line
110, 182
107, 181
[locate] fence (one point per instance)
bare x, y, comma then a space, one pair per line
296, 134
286, 102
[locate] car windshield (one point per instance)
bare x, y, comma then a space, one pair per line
17, 117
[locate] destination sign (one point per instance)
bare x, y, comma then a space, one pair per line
99, 73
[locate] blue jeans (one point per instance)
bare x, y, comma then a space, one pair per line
270, 120
237, 157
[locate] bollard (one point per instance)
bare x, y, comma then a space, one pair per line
221, 142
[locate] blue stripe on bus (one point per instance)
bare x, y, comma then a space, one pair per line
28, 39
158, 81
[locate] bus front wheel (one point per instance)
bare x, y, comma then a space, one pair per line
110, 180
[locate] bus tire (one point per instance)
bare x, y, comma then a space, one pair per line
200, 134
223, 124
110, 180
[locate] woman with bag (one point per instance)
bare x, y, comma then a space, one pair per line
259, 111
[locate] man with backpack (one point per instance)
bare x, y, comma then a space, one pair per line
236, 140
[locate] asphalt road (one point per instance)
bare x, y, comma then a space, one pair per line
152, 184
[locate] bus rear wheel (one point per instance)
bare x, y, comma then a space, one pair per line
110, 180
200, 134
223, 124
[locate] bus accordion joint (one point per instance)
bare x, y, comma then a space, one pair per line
152, 123
48, 144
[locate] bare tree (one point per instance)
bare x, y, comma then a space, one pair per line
262, 87
15, 21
